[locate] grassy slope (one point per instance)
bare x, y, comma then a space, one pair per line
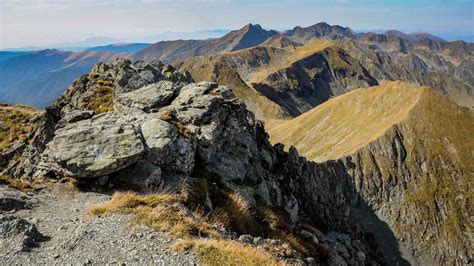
348, 122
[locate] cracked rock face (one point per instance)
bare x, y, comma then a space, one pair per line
150, 96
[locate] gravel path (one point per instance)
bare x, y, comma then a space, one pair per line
76, 238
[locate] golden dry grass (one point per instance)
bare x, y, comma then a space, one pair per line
18, 184
227, 252
102, 100
22, 185
163, 212
346, 123
160, 211
15, 125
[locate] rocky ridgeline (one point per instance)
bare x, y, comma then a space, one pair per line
164, 131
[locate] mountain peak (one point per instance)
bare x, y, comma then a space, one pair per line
320, 30
248, 36
253, 26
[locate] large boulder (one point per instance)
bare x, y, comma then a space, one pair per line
150, 96
93, 147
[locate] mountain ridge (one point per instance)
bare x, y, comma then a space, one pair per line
416, 181
443, 66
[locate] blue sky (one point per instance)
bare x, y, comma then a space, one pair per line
45, 22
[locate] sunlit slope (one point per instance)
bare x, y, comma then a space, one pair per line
348, 122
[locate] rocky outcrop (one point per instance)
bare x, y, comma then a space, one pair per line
313, 80
93, 147
191, 134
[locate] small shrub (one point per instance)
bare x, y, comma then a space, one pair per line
93, 76
105, 83
242, 218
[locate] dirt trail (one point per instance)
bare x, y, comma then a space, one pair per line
77, 238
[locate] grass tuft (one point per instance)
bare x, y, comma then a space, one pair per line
20, 184
160, 211
15, 125
227, 252
101, 101
169, 117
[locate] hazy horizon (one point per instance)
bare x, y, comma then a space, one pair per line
43, 23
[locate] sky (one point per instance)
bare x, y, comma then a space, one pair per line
46, 22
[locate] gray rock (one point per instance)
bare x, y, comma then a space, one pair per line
142, 174
248, 239
17, 234
94, 147
12, 199
257, 240
309, 261
309, 236
155, 95
75, 116
167, 148
335, 260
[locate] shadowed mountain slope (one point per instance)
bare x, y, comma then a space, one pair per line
409, 151
38, 78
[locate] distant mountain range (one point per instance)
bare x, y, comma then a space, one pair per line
304, 67
120, 47
169, 51
352, 60
37, 78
